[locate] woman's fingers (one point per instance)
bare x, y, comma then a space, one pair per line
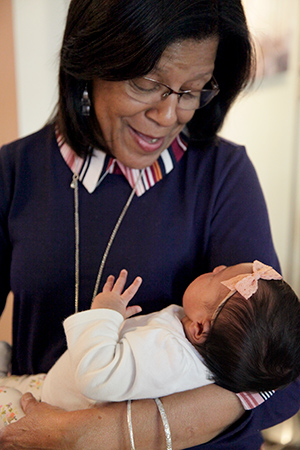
28, 402
42, 420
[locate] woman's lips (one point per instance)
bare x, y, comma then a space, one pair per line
146, 142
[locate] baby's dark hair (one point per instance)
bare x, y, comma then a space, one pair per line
254, 345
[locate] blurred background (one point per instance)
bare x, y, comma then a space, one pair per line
265, 119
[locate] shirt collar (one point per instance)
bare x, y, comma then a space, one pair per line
95, 167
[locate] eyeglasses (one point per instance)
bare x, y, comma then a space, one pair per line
149, 91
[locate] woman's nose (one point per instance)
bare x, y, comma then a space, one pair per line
166, 112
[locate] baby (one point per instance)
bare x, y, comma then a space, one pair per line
239, 327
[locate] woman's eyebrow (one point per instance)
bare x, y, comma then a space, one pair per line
160, 72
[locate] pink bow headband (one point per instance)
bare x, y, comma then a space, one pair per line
247, 284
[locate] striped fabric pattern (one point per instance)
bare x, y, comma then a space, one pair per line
251, 400
95, 167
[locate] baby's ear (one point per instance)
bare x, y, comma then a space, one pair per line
199, 331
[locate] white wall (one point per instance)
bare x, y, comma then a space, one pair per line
266, 119
38, 28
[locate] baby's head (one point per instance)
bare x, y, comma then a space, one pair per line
203, 296
249, 344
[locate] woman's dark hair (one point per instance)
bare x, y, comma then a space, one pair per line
120, 40
254, 345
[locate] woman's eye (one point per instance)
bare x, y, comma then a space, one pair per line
143, 85
192, 95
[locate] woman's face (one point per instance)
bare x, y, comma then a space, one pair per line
137, 133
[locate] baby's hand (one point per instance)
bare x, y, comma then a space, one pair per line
112, 297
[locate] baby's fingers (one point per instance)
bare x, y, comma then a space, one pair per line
132, 310
108, 284
132, 289
121, 281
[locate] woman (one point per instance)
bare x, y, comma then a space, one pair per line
111, 184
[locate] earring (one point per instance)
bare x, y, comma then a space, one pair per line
85, 103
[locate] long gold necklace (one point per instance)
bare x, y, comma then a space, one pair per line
74, 185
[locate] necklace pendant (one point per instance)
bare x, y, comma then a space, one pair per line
74, 181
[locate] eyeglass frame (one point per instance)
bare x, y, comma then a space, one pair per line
215, 90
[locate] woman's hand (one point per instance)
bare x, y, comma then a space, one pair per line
194, 416
48, 427
42, 420
102, 427
113, 297
43, 427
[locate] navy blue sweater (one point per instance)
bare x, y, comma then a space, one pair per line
209, 210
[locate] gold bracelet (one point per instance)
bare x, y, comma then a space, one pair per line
165, 422
129, 423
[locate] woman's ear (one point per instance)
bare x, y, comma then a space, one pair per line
199, 331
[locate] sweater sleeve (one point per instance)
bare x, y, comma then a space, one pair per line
96, 354
5, 246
